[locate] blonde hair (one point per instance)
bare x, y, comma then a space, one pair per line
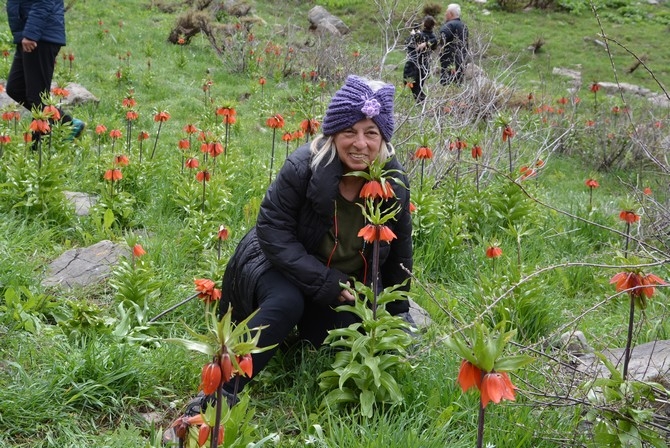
323, 148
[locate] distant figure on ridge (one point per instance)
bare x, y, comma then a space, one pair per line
453, 46
422, 41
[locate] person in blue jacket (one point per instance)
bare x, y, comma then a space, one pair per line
38, 29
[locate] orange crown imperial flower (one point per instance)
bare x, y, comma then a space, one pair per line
203, 176
372, 233
493, 252
208, 293
423, 152
162, 116
636, 284
211, 378
41, 126
138, 250
476, 152
507, 132
629, 216
495, 387
469, 376
113, 175
374, 189
275, 122
592, 183
246, 364
121, 160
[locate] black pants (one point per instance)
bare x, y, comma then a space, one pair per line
282, 307
31, 74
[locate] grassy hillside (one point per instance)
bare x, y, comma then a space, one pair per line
86, 368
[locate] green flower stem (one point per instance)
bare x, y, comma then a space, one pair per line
421, 183
158, 133
214, 435
629, 337
480, 426
509, 152
174, 307
272, 156
204, 187
375, 273
625, 252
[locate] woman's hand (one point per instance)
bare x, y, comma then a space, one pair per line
346, 296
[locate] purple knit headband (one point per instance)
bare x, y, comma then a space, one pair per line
356, 101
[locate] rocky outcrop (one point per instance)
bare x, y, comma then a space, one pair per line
322, 21
84, 266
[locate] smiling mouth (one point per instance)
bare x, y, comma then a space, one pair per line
358, 156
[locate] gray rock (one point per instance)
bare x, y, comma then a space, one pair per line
612, 88
417, 316
573, 342
82, 202
84, 266
321, 20
78, 95
648, 362
574, 75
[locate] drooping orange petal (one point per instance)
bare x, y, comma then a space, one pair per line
469, 376
386, 234
369, 233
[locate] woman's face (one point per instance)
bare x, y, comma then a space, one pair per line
358, 145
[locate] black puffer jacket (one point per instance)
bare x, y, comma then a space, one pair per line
295, 214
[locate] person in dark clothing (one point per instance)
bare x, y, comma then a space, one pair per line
38, 30
453, 46
305, 243
291, 265
419, 47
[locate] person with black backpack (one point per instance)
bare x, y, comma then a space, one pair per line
421, 42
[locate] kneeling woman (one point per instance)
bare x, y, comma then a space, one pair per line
305, 242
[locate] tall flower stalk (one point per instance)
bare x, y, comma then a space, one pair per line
476, 154
376, 191
484, 367
629, 217
507, 134
160, 118
274, 122
229, 347
592, 184
229, 117
640, 287
203, 176
423, 153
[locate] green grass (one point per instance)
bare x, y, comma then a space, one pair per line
82, 378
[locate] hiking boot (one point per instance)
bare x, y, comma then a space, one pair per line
77, 128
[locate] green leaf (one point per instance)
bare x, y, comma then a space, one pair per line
197, 346
512, 363
367, 400
108, 219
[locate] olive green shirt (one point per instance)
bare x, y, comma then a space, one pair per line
341, 247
